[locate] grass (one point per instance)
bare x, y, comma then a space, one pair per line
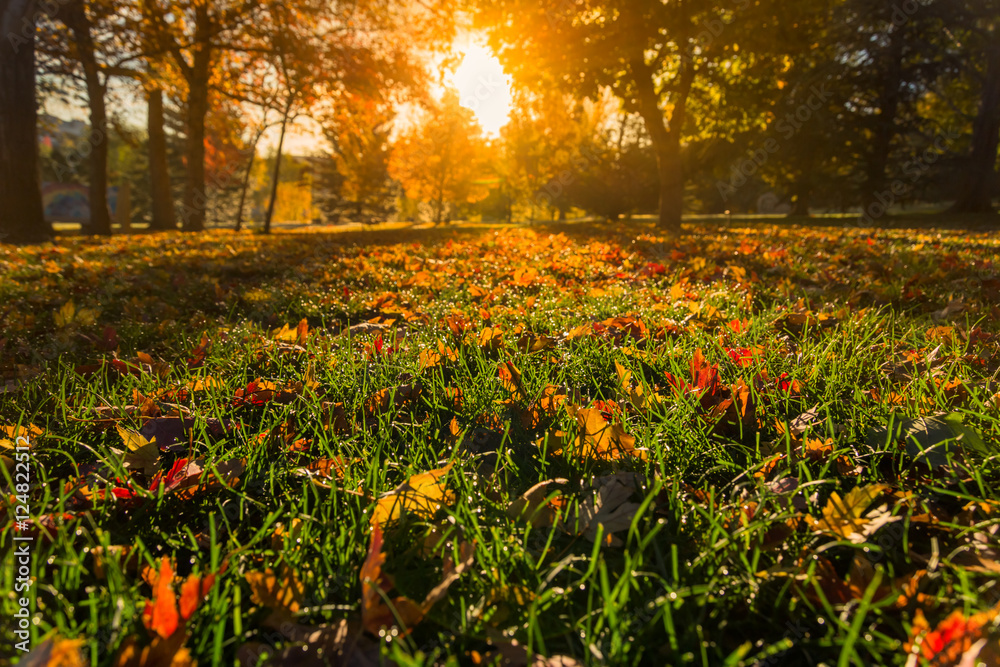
739, 539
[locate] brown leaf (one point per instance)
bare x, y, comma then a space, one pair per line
56, 652
422, 494
539, 505
281, 591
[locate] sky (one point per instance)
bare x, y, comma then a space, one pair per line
482, 85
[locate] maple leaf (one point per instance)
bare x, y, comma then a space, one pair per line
956, 640
598, 439
141, 454
281, 591
490, 338
422, 494
70, 315
19, 436
846, 517
160, 615
297, 335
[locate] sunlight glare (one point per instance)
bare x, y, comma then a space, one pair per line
484, 88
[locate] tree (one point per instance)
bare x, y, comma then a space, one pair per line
358, 129
545, 143
192, 31
78, 19
22, 219
161, 197
298, 66
656, 57
615, 173
796, 135
439, 161
981, 39
888, 57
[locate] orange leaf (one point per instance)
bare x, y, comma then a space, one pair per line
190, 595
281, 590
160, 615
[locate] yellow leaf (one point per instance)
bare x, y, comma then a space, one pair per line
844, 517
598, 439
25, 433
142, 454
69, 314
285, 334
57, 652
422, 495
280, 591
65, 314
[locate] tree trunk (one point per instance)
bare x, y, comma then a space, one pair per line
981, 177
74, 15
277, 174
159, 174
22, 218
885, 128
246, 174
243, 189
668, 161
666, 142
801, 193
195, 196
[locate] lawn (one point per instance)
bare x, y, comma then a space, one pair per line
763, 444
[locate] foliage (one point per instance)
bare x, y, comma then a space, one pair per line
765, 444
442, 160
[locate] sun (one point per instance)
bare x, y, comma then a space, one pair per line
483, 88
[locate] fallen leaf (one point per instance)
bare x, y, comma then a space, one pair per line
56, 651
422, 494
280, 591
846, 517
160, 615
536, 504
141, 454
609, 508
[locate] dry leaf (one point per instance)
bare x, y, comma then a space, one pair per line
422, 495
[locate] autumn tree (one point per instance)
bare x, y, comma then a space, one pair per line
439, 161
193, 32
22, 218
296, 63
550, 136
660, 59
86, 43
978, 28
358, 128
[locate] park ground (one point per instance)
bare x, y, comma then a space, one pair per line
765, 443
